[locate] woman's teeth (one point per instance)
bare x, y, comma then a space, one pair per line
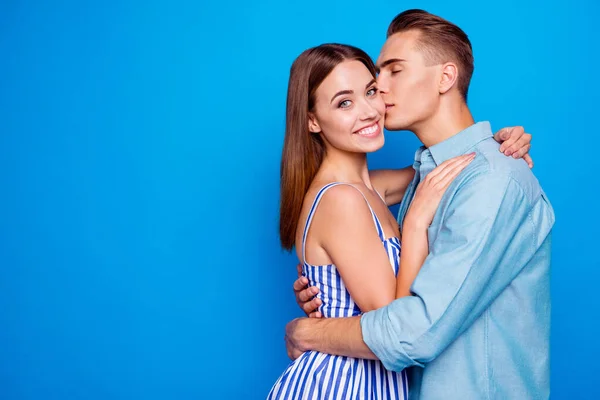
368, 130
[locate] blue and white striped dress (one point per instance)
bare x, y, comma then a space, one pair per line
317, 375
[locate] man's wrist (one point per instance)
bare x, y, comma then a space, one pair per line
305, 333
300, 333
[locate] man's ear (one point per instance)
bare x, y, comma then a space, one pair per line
313, 124
449, 77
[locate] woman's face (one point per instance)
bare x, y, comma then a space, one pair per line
348, 110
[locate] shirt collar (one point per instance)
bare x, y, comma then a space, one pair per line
459, 143
418, 156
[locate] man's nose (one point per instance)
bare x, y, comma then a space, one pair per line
382, 84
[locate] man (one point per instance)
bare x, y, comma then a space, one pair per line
477, 325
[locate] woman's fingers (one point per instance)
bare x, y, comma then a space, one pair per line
528, 160
443, 169
523, 141
448, 176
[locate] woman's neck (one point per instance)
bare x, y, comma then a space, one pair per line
341, 166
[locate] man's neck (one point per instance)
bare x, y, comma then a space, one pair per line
450, 120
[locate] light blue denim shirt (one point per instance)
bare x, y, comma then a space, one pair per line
478, 323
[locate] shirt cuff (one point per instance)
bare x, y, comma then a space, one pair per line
379, 335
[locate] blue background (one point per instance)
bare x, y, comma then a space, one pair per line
139, 161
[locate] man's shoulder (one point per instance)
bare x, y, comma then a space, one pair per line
492, 167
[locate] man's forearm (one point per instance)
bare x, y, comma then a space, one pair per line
339, 336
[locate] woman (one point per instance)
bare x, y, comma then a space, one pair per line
332, 212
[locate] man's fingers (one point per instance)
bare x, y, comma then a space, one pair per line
300, 284
288, 347
311, 306
528, 160
307, 294
292, 352
297, 353
315, 314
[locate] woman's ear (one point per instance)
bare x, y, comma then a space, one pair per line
313, 124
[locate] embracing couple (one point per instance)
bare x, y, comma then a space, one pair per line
451, 300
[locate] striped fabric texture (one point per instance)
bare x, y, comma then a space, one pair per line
319, 376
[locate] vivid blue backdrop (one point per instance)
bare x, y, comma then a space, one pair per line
139, 158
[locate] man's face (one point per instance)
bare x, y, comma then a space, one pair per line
408, 86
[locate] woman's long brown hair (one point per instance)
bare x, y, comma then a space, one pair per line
303, 151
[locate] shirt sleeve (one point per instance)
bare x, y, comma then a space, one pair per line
485, 238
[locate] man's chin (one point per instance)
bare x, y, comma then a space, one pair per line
393, 124
395, 127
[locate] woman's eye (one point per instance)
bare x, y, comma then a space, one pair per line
345, 104
372, 92
396, 71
